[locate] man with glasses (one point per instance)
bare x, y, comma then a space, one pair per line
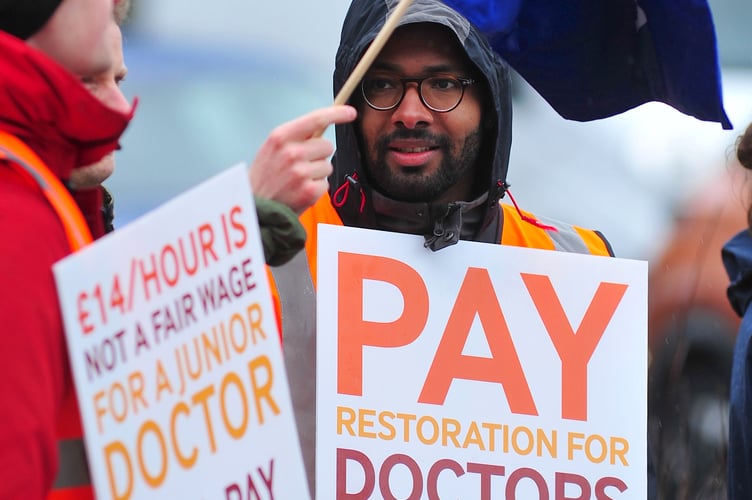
429, 151
427, 155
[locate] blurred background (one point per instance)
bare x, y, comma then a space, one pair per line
213, 78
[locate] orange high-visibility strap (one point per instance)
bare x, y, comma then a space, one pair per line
73, 481
25, 161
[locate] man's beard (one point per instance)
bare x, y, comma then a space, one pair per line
417, 186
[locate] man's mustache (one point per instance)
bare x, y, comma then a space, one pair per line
412, 134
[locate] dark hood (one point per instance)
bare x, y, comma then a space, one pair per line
360, 208
737, 259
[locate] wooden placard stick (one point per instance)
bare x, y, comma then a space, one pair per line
370, 54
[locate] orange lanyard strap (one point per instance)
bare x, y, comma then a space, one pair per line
25, 161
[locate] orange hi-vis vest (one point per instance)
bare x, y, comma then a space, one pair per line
515, 232
72, 481
293, 290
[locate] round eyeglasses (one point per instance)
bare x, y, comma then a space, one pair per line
437, 93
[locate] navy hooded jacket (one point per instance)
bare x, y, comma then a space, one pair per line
737, 258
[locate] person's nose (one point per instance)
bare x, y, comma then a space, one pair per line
411, 112
116, 100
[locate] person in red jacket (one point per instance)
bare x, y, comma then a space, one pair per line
48, 118
43, 104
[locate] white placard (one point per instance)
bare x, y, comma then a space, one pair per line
176, 354
479, 371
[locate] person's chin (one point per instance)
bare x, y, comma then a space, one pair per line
92, 176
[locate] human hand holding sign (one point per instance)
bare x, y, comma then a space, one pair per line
292, 165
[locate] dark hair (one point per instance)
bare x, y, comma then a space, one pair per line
744, 155
744, 148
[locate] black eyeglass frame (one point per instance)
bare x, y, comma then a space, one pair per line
464, 83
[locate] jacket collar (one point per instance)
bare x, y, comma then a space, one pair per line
441, 224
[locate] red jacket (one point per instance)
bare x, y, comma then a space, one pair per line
48, 109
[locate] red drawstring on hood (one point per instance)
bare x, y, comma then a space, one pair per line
343, 191
526, 218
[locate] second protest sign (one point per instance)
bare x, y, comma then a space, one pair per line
479, 371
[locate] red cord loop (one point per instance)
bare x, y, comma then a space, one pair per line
529, 220
340, 195
343, 192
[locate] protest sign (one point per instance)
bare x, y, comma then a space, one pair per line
176, 355
479, 371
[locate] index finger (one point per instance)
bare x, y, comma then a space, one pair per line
314, 123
